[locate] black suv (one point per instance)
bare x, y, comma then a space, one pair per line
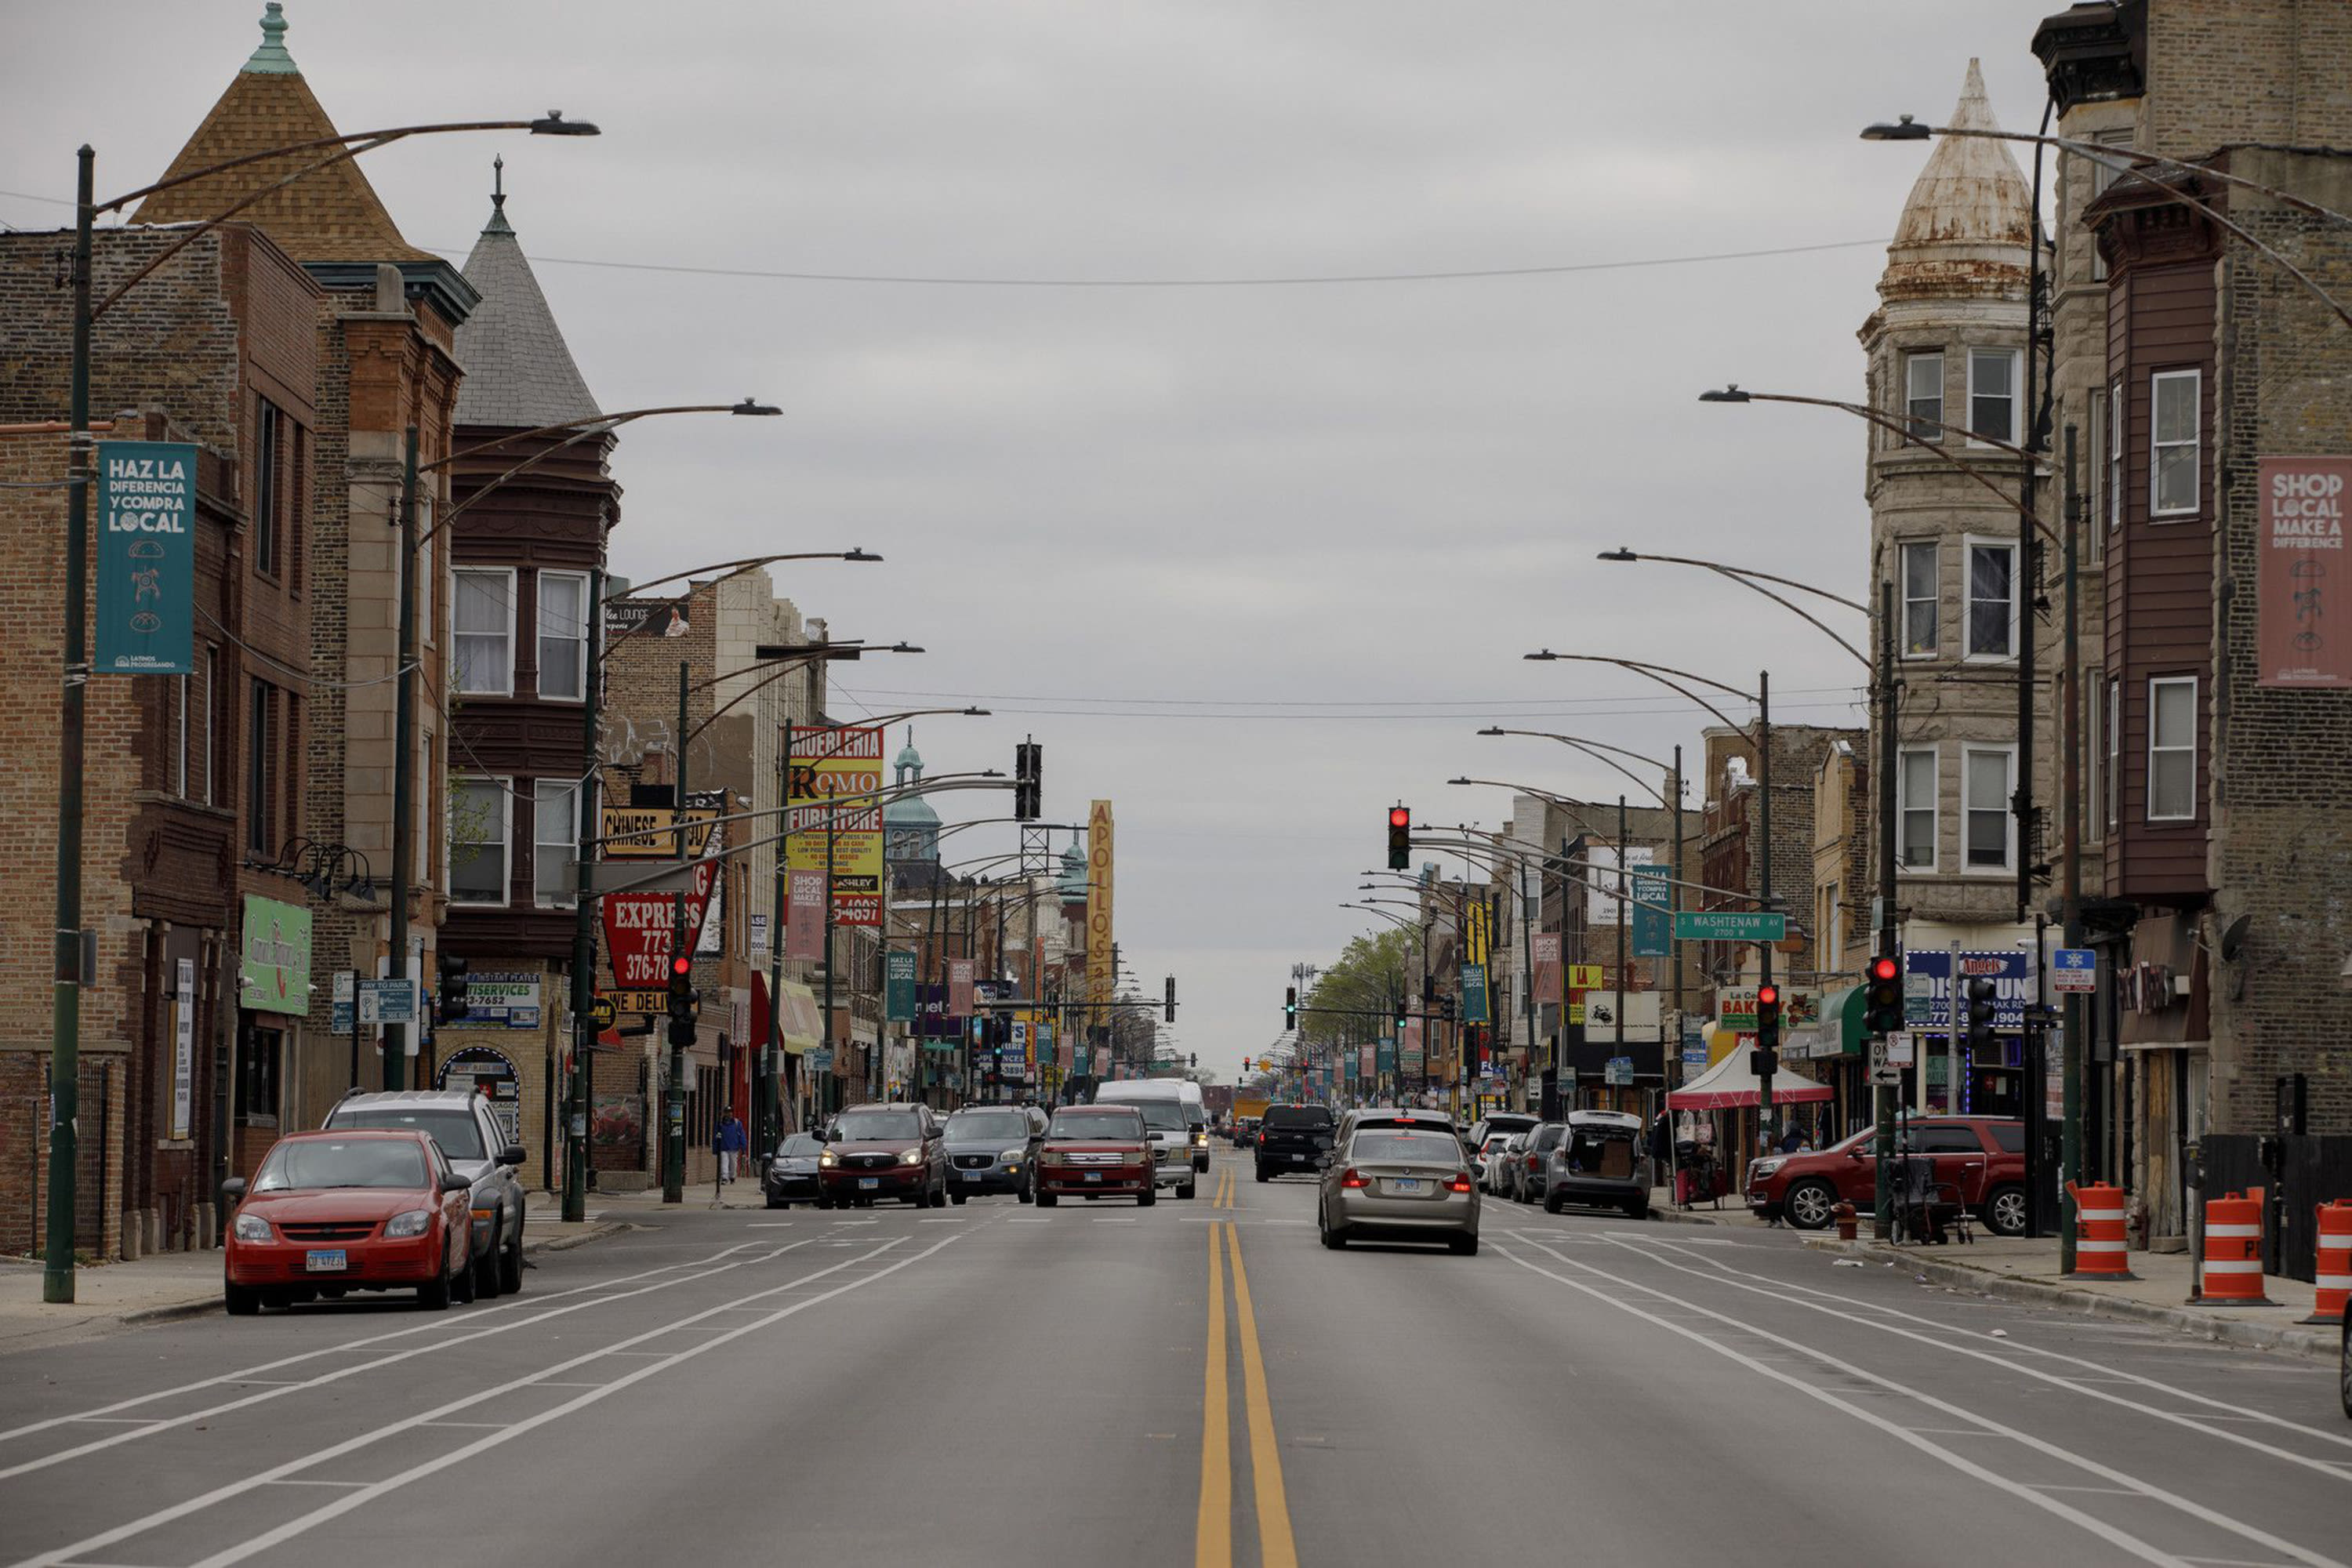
1293, 1138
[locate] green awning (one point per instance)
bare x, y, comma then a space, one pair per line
1839, 1031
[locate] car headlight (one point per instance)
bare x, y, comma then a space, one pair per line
252, 1227
828, 1159
911, 1157
412, 1223
1765, 1167
1012, 1153
1049, 1157
1132, 1157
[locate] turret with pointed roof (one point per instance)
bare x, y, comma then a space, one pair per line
1967, 223
520, 372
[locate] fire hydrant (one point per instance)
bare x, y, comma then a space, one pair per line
1843, 1213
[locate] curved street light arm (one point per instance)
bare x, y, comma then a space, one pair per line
1798, 610
1622, 553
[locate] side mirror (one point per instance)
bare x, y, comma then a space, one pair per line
512, 1155
233, 1189
1859, 1152
454, 1182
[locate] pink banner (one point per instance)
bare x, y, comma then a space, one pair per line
1546, 972
958, 987
1367, 1061
2301, 571
804, 914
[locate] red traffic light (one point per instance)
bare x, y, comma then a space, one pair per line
1767, 996
1399, 817
1882, 969
681, 965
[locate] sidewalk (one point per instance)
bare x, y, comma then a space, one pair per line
2020, 1270
166, 1285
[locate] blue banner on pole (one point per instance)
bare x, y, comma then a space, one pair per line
1474, 993
146, 558
1652, 921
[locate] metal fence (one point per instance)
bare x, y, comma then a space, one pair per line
2304, 1171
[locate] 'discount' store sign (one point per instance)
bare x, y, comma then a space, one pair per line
1927, 987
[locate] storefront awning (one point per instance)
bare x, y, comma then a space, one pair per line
803, 1027
1838, 1032
1729, 1084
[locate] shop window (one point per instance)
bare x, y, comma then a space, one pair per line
260, 1059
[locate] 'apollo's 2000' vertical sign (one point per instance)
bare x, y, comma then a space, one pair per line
1099, 977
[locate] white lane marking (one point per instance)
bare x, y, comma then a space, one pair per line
938, 1222
367, 1343
165, 1424
351, 1500
2102, 1491
1027, 1219
2041, 1446
478, 1426
770, 1224
119, 1420
2077, 1381
1114, 1219
57, 1557
300, 1481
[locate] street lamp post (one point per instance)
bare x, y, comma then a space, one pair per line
66, 980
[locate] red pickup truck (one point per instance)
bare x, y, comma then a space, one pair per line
1981, 1156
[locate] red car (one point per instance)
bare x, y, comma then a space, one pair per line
329, 1213
1981, 1157
884, 1150
1094, 1152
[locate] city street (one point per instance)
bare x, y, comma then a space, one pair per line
1195, 1382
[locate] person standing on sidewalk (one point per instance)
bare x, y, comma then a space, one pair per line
731, 1143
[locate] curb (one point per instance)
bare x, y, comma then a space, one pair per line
2316, 1343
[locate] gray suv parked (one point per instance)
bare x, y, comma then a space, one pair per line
992, 1149
460, 1121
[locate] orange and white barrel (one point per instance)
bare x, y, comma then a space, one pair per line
2233, 1270
2099, 1233
2334, 1274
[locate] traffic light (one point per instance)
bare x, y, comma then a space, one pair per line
1400, 838
1028, 781
1766, 1059
1290, 1008
681, 1000
1884, 1000
1171, 999
450, 1003
1979, 1014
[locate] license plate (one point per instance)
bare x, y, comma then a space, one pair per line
1406, 1183
867, 1183
971, 1175
1094, 1175
332, 1261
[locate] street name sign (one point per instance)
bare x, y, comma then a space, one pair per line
1730, 925
2073, 969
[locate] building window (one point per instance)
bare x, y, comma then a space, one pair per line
1985, 784
1922, 600
2094, 753
554, 842
260, 773
2172, 749
269, 437
1915, 781
485, 618
290, 771
1923, 394
562, 635
479, 841
259, 1054
2114, 753
1992, 600
2097, 542
2104, 171
1992, 394
2172, 397
2115, 407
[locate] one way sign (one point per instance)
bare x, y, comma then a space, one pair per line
2073, 969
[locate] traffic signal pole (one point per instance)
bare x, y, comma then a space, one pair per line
1770, 1047
1890, 930
680, 946
584, 923
398, 1037
2070, 1057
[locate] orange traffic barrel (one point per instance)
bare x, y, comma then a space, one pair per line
2099, 1233
2334, 1276
2231, 1275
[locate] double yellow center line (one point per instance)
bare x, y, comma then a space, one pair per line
1213, 1528
1222, 1195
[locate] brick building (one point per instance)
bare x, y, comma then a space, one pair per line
2217, 826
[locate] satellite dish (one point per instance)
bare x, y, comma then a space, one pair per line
2233, 939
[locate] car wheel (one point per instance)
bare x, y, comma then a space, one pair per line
245, 1302
958, 1197
1047, 1200
1808, 1204
1262, 1174
483, 1285
1147, 1197
1336, 1240
511, 1267
1463, 1246
825, 1202
2005, 1211
1187, 1189
1552, 1204
1638, 1209
778, 1203
435, 1296
1028, 1192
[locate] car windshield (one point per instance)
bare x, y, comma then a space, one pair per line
988, 1126
1162, 1115
879, 1126
452, 1127
1122, 1122
1415, 1148
799, 1146
304, 1162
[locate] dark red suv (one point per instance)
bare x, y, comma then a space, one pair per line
1981, 1157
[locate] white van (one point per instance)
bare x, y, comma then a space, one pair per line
1178, 1124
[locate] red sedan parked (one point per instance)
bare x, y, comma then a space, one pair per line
1094, 1152
333, 1212
1983, 1157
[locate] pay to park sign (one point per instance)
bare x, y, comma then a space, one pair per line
146, 558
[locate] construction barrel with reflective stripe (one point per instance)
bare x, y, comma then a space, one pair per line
2232, 1273
2334, 1276
2099, 1233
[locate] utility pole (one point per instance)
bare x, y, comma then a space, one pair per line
399, 1038
1764, 879
1890, 928
583, 920
1673, 906
1624, 885
681, 945
2070, 1061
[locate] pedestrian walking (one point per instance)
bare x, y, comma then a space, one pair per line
731, 1143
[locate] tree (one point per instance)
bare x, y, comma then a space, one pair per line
1357, 989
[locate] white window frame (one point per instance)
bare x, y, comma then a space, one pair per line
542, 638
1969, 808
2016, 393
2114, 805
1903, 808
458, 637
1934, 430
2156, 682
429, 583
566, 846
180, 740
2094, 753
211, 696
2195, 444
503, 788
2096, 536
2117, 417
1904, 600
1968, 649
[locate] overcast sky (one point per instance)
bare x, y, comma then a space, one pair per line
1250, 561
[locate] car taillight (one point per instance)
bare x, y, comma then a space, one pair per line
1460, 1184
1532, 1162
1351, 1177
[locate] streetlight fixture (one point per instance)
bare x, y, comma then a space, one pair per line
1748, 577
65, 1052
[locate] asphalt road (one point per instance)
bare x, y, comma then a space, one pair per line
1194, 1383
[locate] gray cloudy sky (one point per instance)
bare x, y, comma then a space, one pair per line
1252, 563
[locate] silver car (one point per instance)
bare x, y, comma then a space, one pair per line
1603, 1161
1499, 1156
1398, 1184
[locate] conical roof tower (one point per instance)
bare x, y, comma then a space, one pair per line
1967, 223
520, 372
